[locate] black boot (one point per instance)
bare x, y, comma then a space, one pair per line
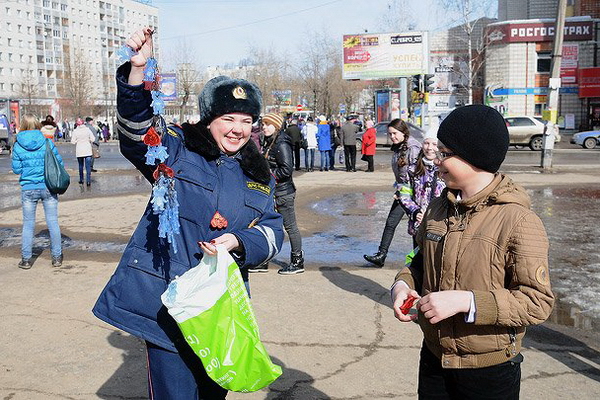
296, 266
377, 258
259, 268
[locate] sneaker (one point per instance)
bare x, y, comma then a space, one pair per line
259, 268
290, 270
57, 261
94, 170
25, 263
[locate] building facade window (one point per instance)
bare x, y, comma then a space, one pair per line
544, 60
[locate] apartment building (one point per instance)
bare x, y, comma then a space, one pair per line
43, 41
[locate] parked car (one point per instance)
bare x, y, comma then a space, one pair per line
587, 139
527, 131
383, 139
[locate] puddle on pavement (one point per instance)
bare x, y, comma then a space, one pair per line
103, 184
12, 237
569, 216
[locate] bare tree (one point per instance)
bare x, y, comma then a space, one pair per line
316, 68
472, 21
77, 89
270, 71
188, 75
397, 17
30, 92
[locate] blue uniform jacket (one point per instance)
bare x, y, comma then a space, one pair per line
206, 180
28, 158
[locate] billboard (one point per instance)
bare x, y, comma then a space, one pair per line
168, 86
384, 55
282, 97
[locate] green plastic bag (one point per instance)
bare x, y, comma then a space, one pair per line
212, 308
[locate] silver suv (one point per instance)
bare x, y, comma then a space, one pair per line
527, 131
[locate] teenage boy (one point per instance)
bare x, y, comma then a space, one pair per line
481, 271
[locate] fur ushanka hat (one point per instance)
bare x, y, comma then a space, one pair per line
222, 95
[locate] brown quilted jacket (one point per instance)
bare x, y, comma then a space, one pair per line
493, 245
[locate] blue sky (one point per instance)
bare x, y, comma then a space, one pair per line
222, 31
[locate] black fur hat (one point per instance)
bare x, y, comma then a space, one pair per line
222, 95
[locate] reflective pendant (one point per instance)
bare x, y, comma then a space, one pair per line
218, 221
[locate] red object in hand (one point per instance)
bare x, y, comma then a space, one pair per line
408, 303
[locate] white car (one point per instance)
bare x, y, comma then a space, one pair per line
527, 131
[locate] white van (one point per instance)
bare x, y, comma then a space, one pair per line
302, 115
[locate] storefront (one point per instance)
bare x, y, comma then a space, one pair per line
517, 67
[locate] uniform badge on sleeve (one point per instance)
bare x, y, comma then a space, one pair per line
259, 187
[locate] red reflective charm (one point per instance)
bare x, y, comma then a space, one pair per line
151, 138
218, 221
163, 169
408, 303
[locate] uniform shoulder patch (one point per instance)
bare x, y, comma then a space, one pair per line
172, 132
259, 187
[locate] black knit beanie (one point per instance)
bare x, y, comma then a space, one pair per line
477, 134
223, 95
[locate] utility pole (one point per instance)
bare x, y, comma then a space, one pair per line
551, 112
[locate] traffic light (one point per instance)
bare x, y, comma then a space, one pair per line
416, 83
428, 82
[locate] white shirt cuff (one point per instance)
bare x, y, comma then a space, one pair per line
470, 316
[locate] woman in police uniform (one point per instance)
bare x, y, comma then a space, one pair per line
218, 173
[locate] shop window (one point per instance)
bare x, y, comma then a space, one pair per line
544, 59
539, 108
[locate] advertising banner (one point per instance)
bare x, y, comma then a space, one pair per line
282, 97
385, 55
569, 63
589, 82
382, 106
168, 85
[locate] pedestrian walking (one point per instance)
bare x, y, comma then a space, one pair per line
277, 149
369, 146
349, 131
28, 161
335, 142
309, 134
89, 122
295, 134
83, 139
405, 150
424, 183
324, 143
225, 196
481, 272
49, 128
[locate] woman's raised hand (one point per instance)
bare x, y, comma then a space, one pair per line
141, 41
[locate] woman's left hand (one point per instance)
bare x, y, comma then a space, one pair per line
227, 239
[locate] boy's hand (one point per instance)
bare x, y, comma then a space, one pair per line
438, 306
400, 294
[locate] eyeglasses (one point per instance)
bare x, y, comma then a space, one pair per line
442, 155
